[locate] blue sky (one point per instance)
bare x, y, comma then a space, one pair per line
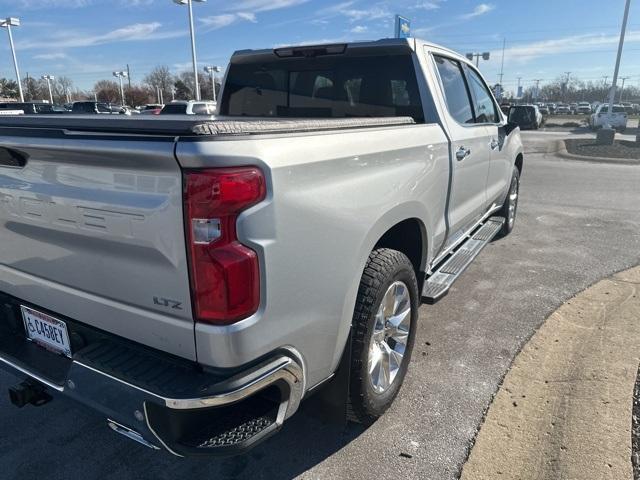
88, 39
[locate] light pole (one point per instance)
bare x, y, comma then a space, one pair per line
612, 93
624, 79
48, 78
8, 23
212, 71
537, 91
566, 85
477, 56
120, 76
189, 3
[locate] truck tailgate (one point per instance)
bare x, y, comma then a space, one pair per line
91, 228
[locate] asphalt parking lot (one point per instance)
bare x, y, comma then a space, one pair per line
577, 222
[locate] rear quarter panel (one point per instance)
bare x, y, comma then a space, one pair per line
331, 196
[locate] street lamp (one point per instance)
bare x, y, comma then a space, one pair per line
8, 23
212, 71
48, 78
189, 3
120, 76
624, 79
477, 56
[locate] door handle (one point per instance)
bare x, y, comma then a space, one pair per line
462, 153
494, 144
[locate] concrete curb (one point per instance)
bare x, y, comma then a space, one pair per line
565, 407
561, 151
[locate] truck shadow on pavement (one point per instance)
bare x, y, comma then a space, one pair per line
81, 446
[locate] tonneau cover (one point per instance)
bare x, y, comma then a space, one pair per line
187, 125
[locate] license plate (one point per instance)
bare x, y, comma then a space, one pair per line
46, 331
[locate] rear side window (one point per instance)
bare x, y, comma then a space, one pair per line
178, 109
331, 86
455, 89
484, 105
203, 109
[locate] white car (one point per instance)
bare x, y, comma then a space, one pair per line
617, 119
584, 108
191, 107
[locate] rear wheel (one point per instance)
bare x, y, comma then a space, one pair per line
509, 209
384, 325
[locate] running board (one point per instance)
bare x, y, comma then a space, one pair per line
437, 284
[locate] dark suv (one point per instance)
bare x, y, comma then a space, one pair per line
32, 108
91, 108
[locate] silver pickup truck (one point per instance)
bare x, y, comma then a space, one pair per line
193, 279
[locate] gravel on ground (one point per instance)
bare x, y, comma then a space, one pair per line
588, 148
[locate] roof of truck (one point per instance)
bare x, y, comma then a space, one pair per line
391, 44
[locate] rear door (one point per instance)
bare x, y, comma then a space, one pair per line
470, 149
91, 228
487, 114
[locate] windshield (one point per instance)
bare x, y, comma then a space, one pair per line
324, 87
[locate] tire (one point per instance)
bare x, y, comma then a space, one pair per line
511, 200
386, 271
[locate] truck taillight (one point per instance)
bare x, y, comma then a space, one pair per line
225, 277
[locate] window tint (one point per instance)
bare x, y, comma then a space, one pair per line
484, 105
102, 108
455, 89
203, 109
522, 115
43, 108
83, 107
330, 86
174, 109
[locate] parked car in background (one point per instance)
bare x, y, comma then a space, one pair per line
563, 109
552, 108
32, 108
617, 119
525, 116
193, 279
544, 110
584, 108
83, 108
636, 108
151, 109
628, 107
191, 107
574, 108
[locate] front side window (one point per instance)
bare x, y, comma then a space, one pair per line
484, 106
455, 89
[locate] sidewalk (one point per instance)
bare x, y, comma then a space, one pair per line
564, 410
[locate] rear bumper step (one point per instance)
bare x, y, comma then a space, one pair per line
160, 401
437, 285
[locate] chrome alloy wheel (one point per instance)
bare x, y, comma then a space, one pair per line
390, 337
513, 201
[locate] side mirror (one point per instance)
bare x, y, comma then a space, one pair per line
510, 127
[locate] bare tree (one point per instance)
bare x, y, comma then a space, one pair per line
160, 77
107, 91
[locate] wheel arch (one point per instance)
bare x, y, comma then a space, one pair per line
410, 218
